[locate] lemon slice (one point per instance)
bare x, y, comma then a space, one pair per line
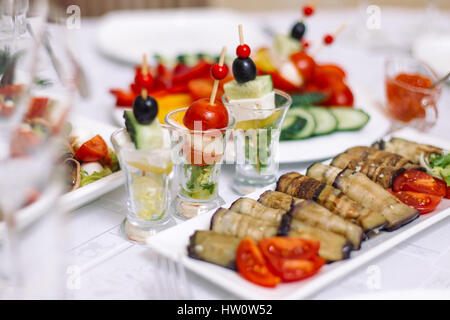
258, 123
150, 168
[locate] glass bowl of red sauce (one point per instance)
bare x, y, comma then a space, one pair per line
411, 98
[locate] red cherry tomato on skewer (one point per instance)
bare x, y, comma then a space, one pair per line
243, 51
210, 116
308, 10
219, 72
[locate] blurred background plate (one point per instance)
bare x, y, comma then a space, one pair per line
126, 35
81, 196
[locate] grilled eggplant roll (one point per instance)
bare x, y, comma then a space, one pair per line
408, 149
336, 201
257, 210
360, 188
213, 247
314, 215
240, 225
333, 247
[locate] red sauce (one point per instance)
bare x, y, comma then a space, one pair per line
404, 96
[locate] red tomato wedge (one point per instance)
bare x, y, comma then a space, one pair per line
252, 266
291, 258
92, 150
422, 202
419, 181
305, 64
37, 107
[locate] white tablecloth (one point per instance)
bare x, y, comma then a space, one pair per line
114, 268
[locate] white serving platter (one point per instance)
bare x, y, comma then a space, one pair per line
173, 242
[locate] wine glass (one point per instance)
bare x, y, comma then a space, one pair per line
37, 88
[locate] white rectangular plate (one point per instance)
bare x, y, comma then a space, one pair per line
173, 242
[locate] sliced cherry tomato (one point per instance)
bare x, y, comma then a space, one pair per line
92, 150
252, 266
281, 83
419, 181
305, 64
210, 116
124, 99
37, 107
422, 202
341, 96
291, 258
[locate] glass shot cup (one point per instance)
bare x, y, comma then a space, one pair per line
198, 163
147, 175
410, 105
256, 141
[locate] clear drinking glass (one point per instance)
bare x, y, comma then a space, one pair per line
407, 104
147, 174
198, 164
256, 138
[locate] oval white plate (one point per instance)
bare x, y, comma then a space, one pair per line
126, 35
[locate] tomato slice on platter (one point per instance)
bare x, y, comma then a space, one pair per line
252, 266
37, 107
124, 99
92, 150
422, 202
419, 181
305, 64
291, 258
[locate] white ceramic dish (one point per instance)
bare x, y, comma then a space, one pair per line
81, 196
323, 147
173, 242
126, 35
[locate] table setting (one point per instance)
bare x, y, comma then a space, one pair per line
215, 153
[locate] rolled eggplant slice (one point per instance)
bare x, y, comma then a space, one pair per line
379, 158
381, 174
333, 199
239, 225
315, 215
408, 149
333, 247
213, 247
361, 189
257, 210
278, 200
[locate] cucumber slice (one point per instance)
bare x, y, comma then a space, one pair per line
306, 130
291, 126
145, 137
326, 122
350, 119
257, 88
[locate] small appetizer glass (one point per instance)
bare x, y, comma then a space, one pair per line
256, 138
411, 98
147, 174
198, 164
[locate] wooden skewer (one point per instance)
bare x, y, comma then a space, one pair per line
144, 93
144, 69
241, 35
216, 82
338, 31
